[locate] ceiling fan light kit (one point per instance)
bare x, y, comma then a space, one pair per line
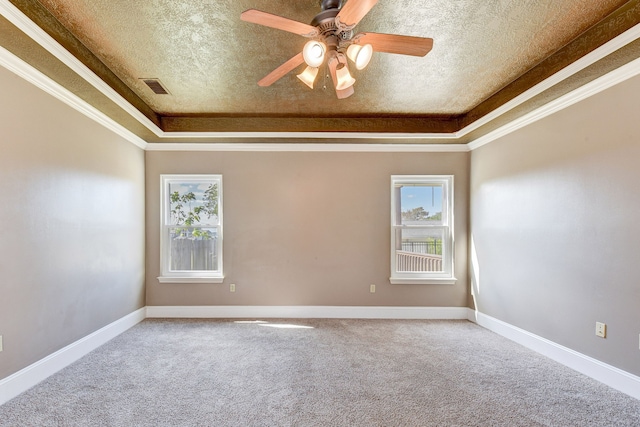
331, 34
360, 55
344, 78
340, 93
308, 76
313, 53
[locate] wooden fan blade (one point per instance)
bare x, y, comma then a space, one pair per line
279, 72
278, 22
353, 11
394, 43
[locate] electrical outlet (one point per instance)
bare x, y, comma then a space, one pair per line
601, 330
232, 287
372, 289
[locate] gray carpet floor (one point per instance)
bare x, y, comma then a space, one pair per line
317, 373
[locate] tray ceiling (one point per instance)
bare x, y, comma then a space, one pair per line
484, 54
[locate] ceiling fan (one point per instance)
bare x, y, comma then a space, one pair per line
332, 41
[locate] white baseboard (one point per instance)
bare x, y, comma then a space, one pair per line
307, 311
26, 378
600, 371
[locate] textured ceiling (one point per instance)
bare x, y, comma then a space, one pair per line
210, 61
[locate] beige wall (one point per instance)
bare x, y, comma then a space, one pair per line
71, 225
306, 228
555, 220
554, 211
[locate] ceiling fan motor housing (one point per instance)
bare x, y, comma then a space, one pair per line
325, 21
331, 35
331, 4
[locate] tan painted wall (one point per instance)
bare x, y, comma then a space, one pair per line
555, 220
306, 228
71, 225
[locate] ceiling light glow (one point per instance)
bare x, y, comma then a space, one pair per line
308, 76
343, 77
313, 53
360, 55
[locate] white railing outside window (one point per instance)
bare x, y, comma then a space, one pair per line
422, 229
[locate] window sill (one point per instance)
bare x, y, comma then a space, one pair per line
173, 279
422, 281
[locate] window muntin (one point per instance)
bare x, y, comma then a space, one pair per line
191, 234
422, 229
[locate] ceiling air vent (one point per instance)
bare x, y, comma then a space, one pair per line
156, 86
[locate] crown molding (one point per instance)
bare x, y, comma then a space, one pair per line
26, 71
598, 85
35, 77
309, 147
313, 135
27, 26
589, 59
17, 66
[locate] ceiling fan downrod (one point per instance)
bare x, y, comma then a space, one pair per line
330, 4
332, 41
325, 21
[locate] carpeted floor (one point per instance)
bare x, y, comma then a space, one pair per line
317, 373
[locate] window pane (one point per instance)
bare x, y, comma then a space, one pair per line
193, 249
419, 249
421, 204
193, 203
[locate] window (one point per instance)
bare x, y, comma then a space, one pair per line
422, 229
191, 228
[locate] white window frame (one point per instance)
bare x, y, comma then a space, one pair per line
187, 276
447, 275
